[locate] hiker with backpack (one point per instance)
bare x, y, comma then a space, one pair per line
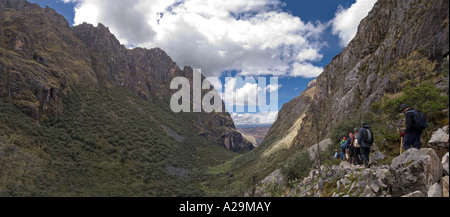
415, 124
365, 140
343, 147
356, 147
350, 148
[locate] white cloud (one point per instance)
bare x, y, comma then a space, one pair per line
306, 70
272, 87
254, 37
254, 118
242, 93
88, 12
345, 24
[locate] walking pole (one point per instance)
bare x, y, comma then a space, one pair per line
401, 144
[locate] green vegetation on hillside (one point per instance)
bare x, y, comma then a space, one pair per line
297, 166
386, 119
107, 142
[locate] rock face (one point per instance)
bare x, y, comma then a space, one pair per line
415, 170
369, 66
313, 150
262, 189
41, 56
394, 36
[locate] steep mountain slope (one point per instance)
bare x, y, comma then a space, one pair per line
81, 111
42, 57
399, 44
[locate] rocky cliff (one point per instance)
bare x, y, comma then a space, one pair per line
399, 44
41, 57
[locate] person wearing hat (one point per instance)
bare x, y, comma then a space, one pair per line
365, 140
411, 135
342, 144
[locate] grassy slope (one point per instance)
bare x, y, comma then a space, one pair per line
107, 142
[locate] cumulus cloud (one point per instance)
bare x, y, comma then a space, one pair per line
272, 87
254, 118
346, 22
251, 94
254, 37
306, 70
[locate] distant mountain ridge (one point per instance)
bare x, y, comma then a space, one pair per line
257, 132
43, 56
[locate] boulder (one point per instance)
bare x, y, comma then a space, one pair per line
445, 164
376, 157
414, 170
439, 139
435, 190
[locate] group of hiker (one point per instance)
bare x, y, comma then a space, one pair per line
356, 147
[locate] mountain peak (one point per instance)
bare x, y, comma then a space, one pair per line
50, 57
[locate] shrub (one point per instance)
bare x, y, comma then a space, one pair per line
387, 118
297, 166
343, 128
425, 98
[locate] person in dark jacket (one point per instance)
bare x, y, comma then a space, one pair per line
365, 146
411, 135
350, 140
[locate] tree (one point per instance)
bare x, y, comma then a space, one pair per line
316, 123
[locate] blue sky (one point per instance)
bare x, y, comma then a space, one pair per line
290, 39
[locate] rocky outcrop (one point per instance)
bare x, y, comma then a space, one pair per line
414, 170
41, 57
235, 141
415, 173
313, 150
265, 187
440, 140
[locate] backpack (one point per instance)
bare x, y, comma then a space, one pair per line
337, 155
355, 143
343, 144
348, 143
368, 136
419, 121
